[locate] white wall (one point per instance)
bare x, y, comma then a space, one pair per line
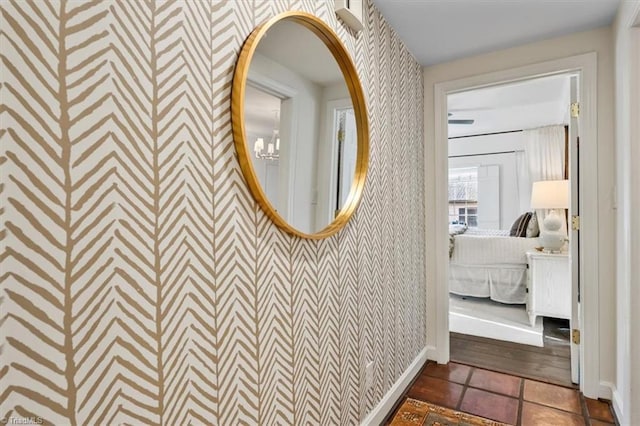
299, 173
600, 41
463, 153
626, 398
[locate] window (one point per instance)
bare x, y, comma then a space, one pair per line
468, 215
463, 196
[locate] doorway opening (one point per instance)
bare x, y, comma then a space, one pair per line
585, 280
510, 302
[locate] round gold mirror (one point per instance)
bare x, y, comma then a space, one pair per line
300, 125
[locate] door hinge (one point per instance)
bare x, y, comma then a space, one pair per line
575, 336
575, 222
575, 109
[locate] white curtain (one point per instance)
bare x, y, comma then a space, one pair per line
545, 149
523, 181
545, 152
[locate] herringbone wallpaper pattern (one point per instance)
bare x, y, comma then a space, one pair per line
140, 282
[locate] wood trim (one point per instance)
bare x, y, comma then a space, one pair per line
480, 155
381, 411
486, 134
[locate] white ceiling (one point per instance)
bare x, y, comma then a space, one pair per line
300, 50
516, 106
438, 31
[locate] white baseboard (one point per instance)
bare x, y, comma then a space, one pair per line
380, 411
616, 403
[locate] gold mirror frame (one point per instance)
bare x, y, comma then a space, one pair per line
333, 43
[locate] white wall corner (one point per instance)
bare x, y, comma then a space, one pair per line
382, 409
627, 64
432, 352
606, 390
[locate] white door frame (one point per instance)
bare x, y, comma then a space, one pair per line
288, 115
585, 66
328, 163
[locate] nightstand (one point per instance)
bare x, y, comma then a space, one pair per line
548, 285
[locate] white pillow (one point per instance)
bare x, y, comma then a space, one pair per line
533, 230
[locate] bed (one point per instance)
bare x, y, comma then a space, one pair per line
490, 263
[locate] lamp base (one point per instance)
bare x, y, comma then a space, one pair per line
546, 251
552, 241
551, 237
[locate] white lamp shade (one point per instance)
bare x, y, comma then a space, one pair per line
550, 194
258, 145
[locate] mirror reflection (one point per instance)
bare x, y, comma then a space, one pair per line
300, 126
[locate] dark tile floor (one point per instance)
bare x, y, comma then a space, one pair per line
506, 398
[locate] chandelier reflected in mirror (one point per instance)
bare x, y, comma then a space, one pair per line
273, 146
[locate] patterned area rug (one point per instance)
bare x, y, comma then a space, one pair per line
414, 412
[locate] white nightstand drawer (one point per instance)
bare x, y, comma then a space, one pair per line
549, 285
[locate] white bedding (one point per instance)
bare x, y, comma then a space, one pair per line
504, 284
488, 232
486, 265
491, 250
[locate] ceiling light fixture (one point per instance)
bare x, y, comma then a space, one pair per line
273, 147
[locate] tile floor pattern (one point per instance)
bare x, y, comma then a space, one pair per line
506, 398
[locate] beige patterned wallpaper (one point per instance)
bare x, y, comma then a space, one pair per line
140, 283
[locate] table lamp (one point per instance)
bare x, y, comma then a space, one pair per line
553, 195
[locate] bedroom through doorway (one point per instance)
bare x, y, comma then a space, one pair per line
512, 255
